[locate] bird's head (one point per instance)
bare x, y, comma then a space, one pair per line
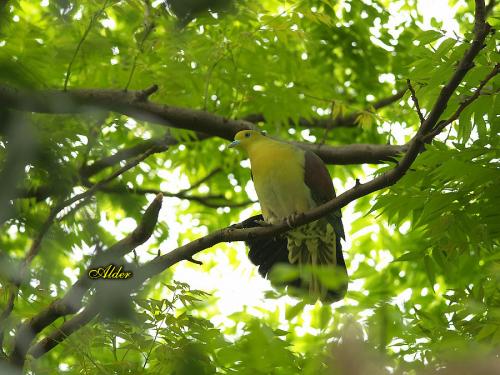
246, 138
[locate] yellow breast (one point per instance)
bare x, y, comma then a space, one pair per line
278, 174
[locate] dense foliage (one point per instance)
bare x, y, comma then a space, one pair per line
423, 255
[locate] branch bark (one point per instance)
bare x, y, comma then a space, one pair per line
126, 153
415, 101
130, 103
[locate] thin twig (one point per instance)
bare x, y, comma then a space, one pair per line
192, 260
126, 153
439, 128
201, 181
348, 121
211, 201
82, 40
36, 244
207, 82
149, 26
92, 136
415, 101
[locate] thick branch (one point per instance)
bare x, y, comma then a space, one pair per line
125, 102
355, 153
64, 331
78, 101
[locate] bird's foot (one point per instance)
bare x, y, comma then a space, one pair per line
235, 226
262, 223
290, 220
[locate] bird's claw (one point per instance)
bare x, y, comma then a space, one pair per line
235, 226
290, 220
262, 223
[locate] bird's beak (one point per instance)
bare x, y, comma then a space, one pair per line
233, 144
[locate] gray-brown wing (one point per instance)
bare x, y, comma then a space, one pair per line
318, 179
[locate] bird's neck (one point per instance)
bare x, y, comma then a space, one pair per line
263, 149
266, 154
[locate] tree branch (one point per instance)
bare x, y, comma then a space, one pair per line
186, 252
208, 124
87, 171
81, 41
415, 101
63, 331
443, 124
211, 201
36, 244
161, 143
355, 153
72, 301
202, 180
348, 121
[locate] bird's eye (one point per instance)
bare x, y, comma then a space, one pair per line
247, 135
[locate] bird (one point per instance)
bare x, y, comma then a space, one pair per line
290, 181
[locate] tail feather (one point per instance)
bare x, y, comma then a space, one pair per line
309, 249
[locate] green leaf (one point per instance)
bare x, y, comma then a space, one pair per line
428, 36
